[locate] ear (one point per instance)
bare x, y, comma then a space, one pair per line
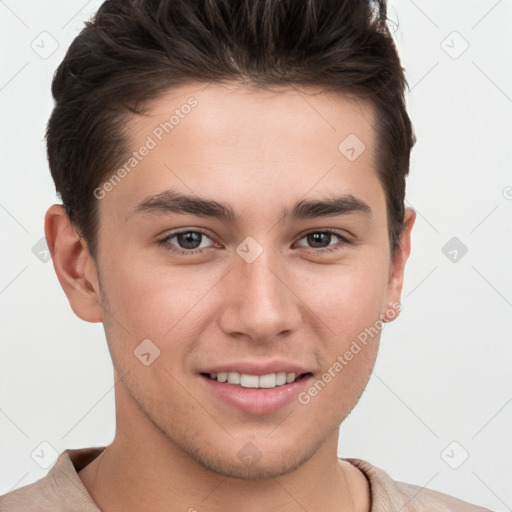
74, 266
397, 268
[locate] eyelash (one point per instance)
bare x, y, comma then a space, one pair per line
164, 243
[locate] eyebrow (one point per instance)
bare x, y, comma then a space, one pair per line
170, 201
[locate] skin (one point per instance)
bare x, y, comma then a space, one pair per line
176, 445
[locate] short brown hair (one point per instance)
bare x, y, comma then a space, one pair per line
134, 50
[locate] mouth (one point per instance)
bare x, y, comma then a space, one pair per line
245, 380
256, 394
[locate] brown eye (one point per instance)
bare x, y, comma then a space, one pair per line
189, 239
187, 242
321, 240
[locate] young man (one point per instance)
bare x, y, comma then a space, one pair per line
233, 179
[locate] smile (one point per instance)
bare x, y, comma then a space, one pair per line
245, 380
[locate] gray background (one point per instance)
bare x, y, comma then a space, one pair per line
441, 390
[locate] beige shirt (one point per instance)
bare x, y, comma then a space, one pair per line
61, 490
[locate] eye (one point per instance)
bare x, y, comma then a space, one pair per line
188, 240
325, 236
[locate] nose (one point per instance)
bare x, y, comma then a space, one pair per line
260, 303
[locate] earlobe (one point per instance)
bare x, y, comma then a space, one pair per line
74, 266
397, 268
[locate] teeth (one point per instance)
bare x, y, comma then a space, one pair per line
233, 378
271, 380
280, 378
267, 381
249, 381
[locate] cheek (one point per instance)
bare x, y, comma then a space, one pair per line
347, 297
347, 310
157, 302
348, 303
143, 304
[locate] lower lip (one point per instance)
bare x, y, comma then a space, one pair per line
257, 400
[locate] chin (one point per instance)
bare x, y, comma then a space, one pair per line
253, 463
250, 470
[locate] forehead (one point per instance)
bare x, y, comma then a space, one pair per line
245, 111
250, 146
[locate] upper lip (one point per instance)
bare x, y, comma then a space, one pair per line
257, 368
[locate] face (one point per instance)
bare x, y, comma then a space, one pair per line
272, 269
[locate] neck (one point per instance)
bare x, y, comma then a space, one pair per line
142, 469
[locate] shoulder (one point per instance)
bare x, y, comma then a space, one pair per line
388, 494
61, 490
30, 498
